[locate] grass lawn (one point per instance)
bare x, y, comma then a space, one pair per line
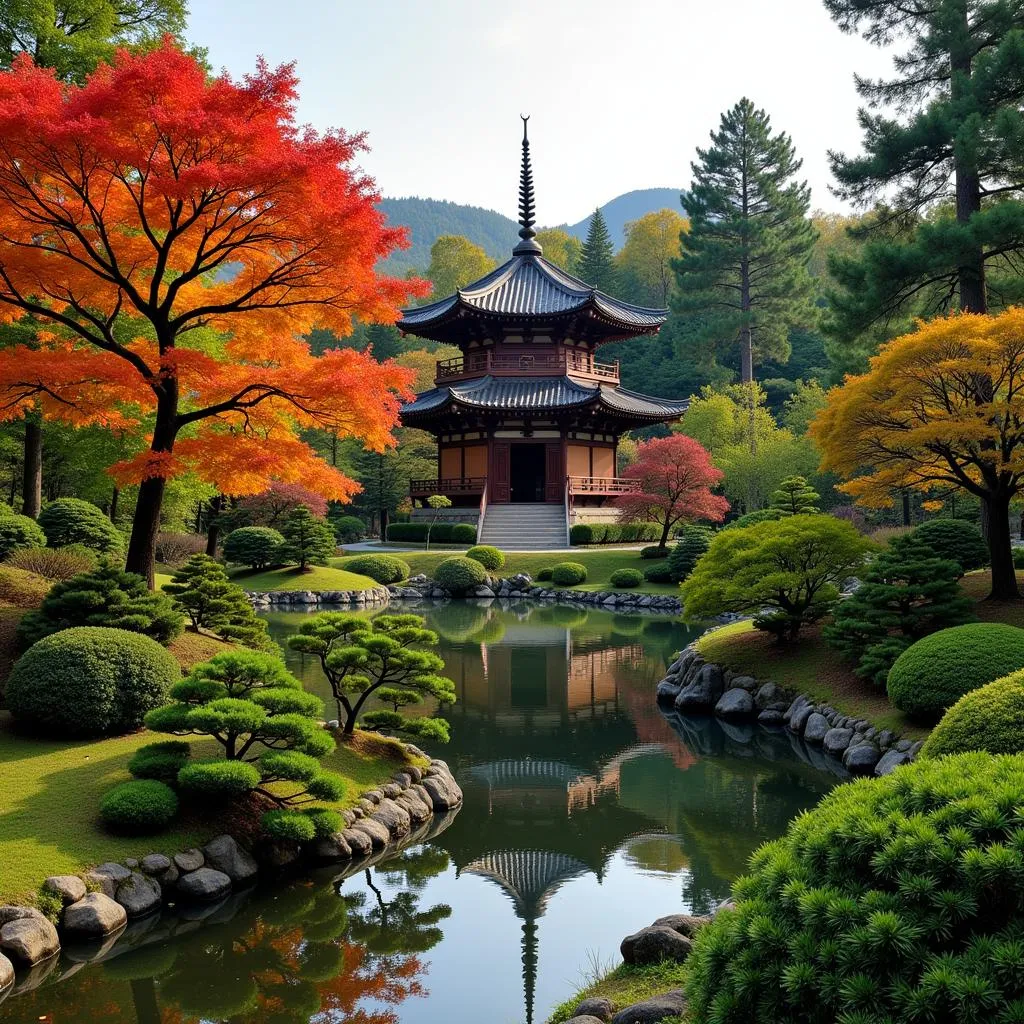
600, 563
316, 577
624, 986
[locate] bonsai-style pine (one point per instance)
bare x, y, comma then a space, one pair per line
795, 497
307, 540
269, 730
906, 593
383, 657
202, 590
692, 542
105, 596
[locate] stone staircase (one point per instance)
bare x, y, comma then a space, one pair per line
525, 527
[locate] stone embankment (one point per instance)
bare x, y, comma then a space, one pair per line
695, 687
96, 909
305, 598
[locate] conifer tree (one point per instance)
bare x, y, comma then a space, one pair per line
742, 275
950, 169
795, 497
307, 540
596, 264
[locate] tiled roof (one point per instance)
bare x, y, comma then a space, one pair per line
513, 394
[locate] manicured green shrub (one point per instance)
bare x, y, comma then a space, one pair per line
626, 578
955, 539
160, 761
761, 515
459, 574
307, 540
1018, 558
74, 521
105, 596
53, 563
222, 780
90, 681
795, 497
990, 718
489, 557
254, 546
935, 672
894, 900
17, 532
347, 529
544, 574
693, 542
787, 573
201, 589
568, 574
613, 533
658, 573
382, 568
139, 807
290, 826
906, 593
654, 551
582, 533
440, 533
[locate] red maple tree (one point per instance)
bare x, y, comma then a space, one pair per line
180, 234
675, 475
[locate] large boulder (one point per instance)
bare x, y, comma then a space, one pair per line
816, 728
836, 741
139, 894
767, 693
861, 759
204, 885
6, 973
735, 703
224, 854
667, 690
188, 860
378, 834
70, 888
654, 944
597, 1007
587, 1018
359, 842
443, 790
891, 760
685, 924
334, 847
392, 816
94, 916
107, 877
703, 691
651, 1011
28, 940
156, 864
417, 810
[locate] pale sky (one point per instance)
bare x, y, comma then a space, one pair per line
620, 93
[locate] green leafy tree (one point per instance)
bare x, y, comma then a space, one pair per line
644, 263
596, 264
948, 162
906, 593
743, 274
359, 657
201, 589
255, 546
436, 502
787, 573
307, 540
560, 248
104, 596
455, 262
795, 497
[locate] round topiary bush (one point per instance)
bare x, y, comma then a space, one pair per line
160, 761
894, 900
347, 529
382, 568
219, 780
489, 557
955, 539
626, 578
139, 807
935, 672
254, 546
658, 573
74, 521
654, 551
17, 532
990, 718
568, 574
459, 574
90, 681
544, 574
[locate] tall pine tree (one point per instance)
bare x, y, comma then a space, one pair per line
950, 170
742, 275
596, 264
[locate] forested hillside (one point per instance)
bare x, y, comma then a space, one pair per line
629, 206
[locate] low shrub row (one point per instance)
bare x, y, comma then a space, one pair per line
613, 533
440, 533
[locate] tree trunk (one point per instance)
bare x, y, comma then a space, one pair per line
663, 543
996, 516
746, 335
32, 480
114, 498
906, 508
213, 527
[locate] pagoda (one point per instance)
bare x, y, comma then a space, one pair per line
527, 416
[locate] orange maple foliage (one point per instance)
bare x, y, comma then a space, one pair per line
181, 234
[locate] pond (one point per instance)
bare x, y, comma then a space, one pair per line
587, 814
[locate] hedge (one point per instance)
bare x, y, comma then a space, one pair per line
613, 533
935, 672
440, 533
139, 807
990, 718
90, 681
380, 568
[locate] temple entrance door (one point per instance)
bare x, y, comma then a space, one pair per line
527, 473
498, 482
554, 490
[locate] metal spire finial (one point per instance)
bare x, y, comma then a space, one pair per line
526, 211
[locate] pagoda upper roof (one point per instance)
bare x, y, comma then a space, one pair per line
528, 291
539, 394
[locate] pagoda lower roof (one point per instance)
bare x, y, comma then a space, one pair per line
538, 394
529, 291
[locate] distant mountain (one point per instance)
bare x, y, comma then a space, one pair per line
627, 207
496, 234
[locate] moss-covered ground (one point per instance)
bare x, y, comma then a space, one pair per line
625, 985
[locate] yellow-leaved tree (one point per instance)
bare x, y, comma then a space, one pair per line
941, 406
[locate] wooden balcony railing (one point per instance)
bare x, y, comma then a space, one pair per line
527, 364
602, 485
447, 486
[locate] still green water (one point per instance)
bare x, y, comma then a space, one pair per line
587, 814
